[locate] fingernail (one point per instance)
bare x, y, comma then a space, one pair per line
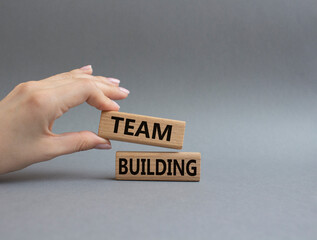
116, 104
103, 146
124, 90
88, 67
114, 80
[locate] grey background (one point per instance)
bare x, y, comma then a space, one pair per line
242, 73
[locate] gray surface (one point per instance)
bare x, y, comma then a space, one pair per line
241, 73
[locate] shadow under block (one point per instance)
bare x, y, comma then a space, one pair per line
163, 166
141, 129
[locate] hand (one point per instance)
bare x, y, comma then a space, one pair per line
28, 113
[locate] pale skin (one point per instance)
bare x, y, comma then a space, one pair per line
28, 112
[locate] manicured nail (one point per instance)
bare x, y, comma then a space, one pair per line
103, 146
116, 104
124, 90
88, 67
114, 80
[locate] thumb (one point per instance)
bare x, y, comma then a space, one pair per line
71, 142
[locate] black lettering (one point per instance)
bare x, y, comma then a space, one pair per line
116, 124
149, 167
194, 172
128, 126
158, 161
143, 166
169, 168
167, 131
145, 131
137, 166
123, 169
180, 169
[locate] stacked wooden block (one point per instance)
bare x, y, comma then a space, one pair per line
170, 166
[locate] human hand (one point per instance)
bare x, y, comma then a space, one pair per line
28, 112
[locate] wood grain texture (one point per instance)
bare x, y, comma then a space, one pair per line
162, 166
141, 129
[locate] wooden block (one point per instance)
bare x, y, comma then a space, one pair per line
141, 129
163, 166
